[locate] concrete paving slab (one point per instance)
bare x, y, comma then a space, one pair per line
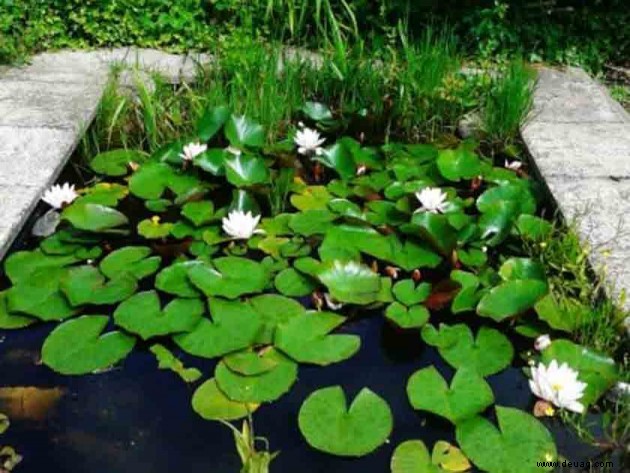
16, 204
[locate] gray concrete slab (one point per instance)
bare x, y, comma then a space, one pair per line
166, 64
16, 204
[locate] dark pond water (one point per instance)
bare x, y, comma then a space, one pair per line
138, 419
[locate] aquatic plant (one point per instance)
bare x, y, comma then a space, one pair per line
210, 246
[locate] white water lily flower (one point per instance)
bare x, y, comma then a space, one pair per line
332, 303
432, 199
241, 225
542, 342
191, 150
559, 385
309, 141
58, 195
514, 165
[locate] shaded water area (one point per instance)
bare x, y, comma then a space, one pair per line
136, 418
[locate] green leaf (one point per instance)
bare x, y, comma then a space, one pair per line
457, 164
115, 162
317, 111
234, 326
339, 158
467, 396
245, 170
240, 131
522, 268
407, 317
312, 222
152, 228
39, 295
132, 260
468, 296
211, 121
412, 456
199, 213
9, 321
174, 279
351, 282
93, 217
408, 294
231, 277
153, 178
250, 363
103, 193
86, 285
328, 425
595, 369
306, 338
511, 298
212, 161
274, 310
292, 283
311, 198
533, 228
78, 346
168, 361
566, 314
520, 444
436, 230
264, 387
211, 404
142, 314
489, 353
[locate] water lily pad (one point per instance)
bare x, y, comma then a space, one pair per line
143, 315
457, 164
116, 162
241, 131
407, 317
436, 230
274, 310
245, 170
563, 313
168, 361
46, 225
78, 346
234, 326
312, 222
412, 456
133, 260
40, 296
467, 396
292, 283
311, 198
515, 269
152, 179
11, 321
489, 353
511, 298
307, 339
351, 282
329, 425
199, 213
103, 193
152, 228
211, 404
516, 447
250, 363
93, 217
408, 294
595, 369
339, 157
264, 387
87, 285
533, 228
174, 279
211, 121
317, 111
230, 277
469, 295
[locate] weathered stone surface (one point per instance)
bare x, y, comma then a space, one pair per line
192, 63
16, 204
38, 104
573, 97
579, 139
166, 64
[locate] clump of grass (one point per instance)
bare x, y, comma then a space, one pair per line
508, 102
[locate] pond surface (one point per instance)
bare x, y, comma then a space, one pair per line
136, 418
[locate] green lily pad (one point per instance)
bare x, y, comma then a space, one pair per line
520, 443
511, 298
133, 260
274, 310
532, 227
351, 282
153, 178
329, 425
211, 121
467, 396
229, 277
264, 387
312, 222
245, 170
116, 162
174, 279
595, 369
311, 198
412, 456
407, 293
199, 213
436, 230
152, 228
407, 317
250, 363
9, 321
489, 353
307, 339
457, 164
292, 283
168, 361
234, 326
317, 111
210, 403
339, 157
40, 296
515, 269
93, 217
564, 313
240, 131
78, 346
103, 193
86, 285
142, 314
469, 295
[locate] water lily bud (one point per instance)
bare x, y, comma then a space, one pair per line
542, 342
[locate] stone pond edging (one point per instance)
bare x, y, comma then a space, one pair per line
577, 136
